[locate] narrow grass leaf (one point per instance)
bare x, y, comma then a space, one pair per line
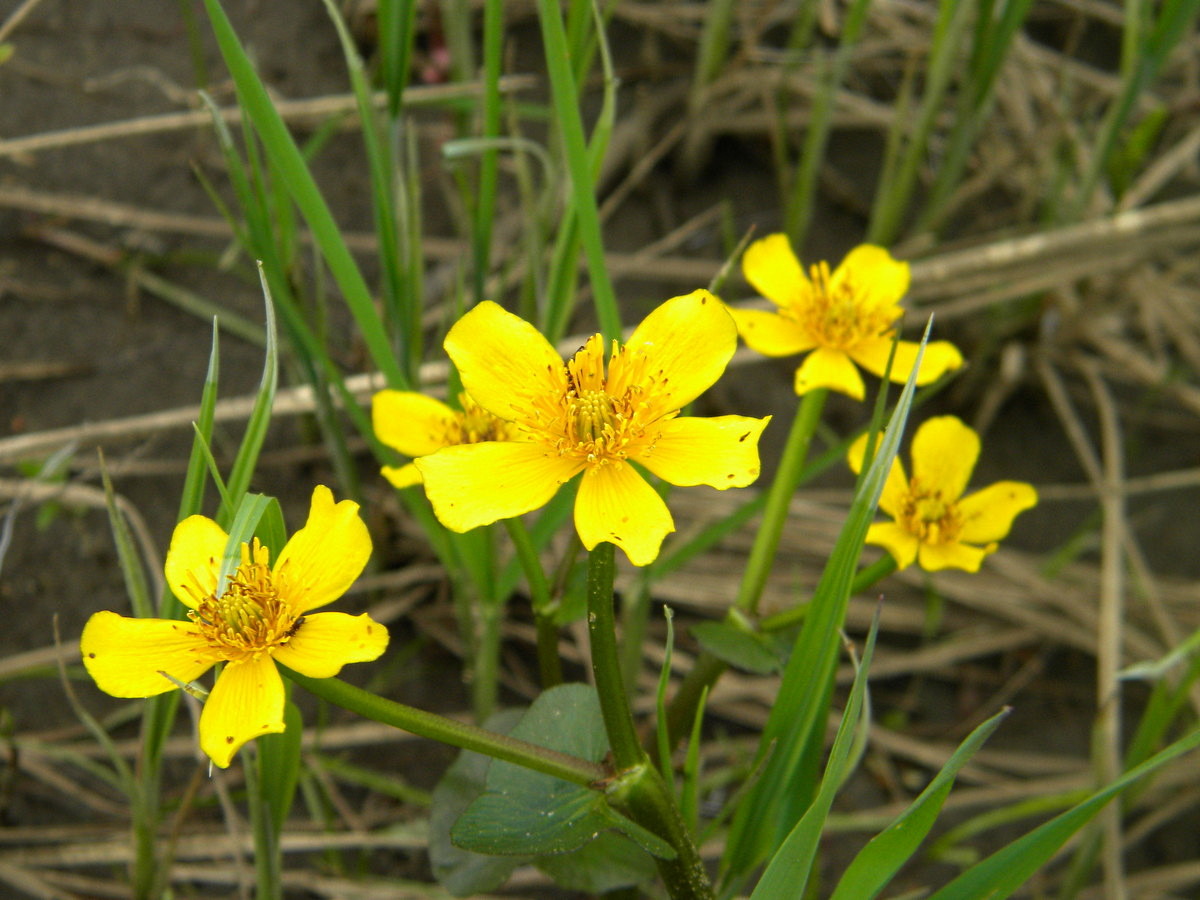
872, 869
289, 163
246, 459
279, 766
1007, 869
580, 163
791, 865
136, 585
794, 733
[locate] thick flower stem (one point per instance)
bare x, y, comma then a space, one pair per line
787, 477
606, 661
638, 787
644, 795
449, 731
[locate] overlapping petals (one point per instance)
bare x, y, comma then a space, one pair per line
418, 425
262, 615
843, 320
934, 524
586, 415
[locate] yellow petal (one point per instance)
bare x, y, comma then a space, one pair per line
772, 269
771, 334
934, 558
721, 452
410, 422
895, 488
989, 513
402, 476
828, 368
325, 642
875, 273
944, 452
194, 559
245, 703
939, 358
615, 504
503, 360
476, 484
901, 544
687, 342
127, 657
323, 558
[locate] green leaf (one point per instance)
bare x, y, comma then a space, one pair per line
271, 530
1007, 869
260, 416
791, 865
279, 766
877, 862
245, 523
739, 647
463, 872
795, 731
606, 864
526, 813
289, 164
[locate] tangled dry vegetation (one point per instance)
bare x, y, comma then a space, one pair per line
1084, 341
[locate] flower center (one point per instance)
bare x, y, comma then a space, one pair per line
931, 518
600, 415
249, 618
840, 314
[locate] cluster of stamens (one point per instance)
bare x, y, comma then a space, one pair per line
840, 315
931, 518
475, 424
248, 618
600, 413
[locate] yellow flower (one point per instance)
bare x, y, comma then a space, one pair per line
841, 318
934, 524
418, 425
263, 614
577, 417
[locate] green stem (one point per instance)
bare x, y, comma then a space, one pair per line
549, 664
449, 731
645, 795
267, 861
638, 787
606, 660
787, 477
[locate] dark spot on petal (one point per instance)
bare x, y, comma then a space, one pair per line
91, 656
229, 738
743, 437
369, 630
703, 300
731, 476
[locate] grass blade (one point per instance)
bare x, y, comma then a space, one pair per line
1007, 869
877, 862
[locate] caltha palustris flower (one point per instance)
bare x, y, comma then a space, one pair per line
597, 419
933, 524
262, 615
842, 319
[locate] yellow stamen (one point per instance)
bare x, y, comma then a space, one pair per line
249, 619
929, 516
840, 314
